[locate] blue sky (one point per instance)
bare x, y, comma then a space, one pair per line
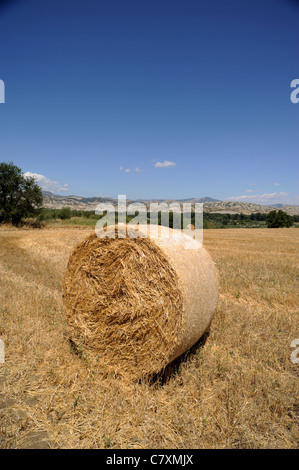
153, 99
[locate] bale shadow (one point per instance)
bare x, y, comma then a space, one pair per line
172, 370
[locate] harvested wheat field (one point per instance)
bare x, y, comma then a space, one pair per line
237, 389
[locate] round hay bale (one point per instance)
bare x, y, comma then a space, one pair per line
138, 303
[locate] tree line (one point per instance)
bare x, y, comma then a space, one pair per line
21, 198
273, 219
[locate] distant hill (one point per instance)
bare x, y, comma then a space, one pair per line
201, 199
55, 201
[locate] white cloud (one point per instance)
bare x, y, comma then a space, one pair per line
276, 184
266, 198
249, 190
127, 170
164, 164
103, 195
140, 170
46, 183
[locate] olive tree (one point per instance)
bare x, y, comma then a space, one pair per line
20, 196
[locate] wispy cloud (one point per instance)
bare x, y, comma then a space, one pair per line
46, 183
266, 198
126, 170
140, 170
103, 195
276, 184
165, 164
249, 190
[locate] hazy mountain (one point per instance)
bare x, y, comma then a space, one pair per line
191, 200
201, 199
56, 201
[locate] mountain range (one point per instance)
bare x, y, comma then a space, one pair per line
56, 201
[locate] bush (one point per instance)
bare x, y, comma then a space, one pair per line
64, 213
277, 219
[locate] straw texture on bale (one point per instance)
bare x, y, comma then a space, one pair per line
138, 303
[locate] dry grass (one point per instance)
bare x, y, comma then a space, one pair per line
238, 390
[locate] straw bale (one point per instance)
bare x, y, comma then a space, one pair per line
135, 304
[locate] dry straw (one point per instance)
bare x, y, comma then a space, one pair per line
135, 304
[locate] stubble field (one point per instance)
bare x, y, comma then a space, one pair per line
238, 389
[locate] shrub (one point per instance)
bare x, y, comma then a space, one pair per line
64, 213
276, 219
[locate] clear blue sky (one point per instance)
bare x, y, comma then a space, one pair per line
153, 98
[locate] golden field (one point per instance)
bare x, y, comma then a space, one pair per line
238, 389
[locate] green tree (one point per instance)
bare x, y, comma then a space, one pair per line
65, 213
20, 196
276, 219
